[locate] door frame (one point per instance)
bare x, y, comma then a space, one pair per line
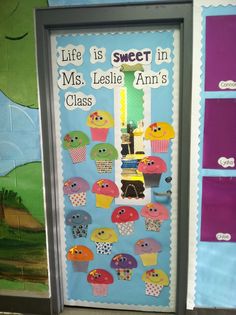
159, 13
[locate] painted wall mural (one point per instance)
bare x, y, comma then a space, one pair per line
23, 260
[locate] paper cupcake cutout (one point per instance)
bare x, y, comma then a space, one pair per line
104, 239
79, 221
75, 188
75, 142
159, 133
154, 214
152, 168
124, 265
147, 249
105, 190
124, 218
104, 154
155, 280
100, 280
80, 256
99, 123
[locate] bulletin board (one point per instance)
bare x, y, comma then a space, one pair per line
115, 110
212, 206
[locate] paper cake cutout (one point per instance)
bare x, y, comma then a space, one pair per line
104, 239
152, 168
154, 214
147, 249
100, 279
104, 154
155, 280
105, 190
159, 133
124, 265
80, 256
124, 217
75, 188
75, 142
99, 123
79, 221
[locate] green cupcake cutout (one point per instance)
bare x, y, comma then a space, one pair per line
75, 142
104, 154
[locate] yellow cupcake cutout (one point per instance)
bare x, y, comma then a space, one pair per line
99, 123
155, 280
104, 239
159, 133
156, 276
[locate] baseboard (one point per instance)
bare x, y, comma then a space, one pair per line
26, 305
211, 311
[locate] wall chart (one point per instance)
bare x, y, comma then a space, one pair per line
116, 117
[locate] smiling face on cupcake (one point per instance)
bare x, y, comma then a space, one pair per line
105, 187
124, 214
155, 211
104, 152
159, 131
100, 119
152, 164
156, 276
104, 235
75, 139
147, 245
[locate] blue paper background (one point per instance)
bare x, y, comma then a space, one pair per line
125, 292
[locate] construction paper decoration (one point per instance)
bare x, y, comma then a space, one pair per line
147, 249
104, 154
159, 133
220, 53
219, 150
100, 280
80, 256
104, 239
218, 209
105, 190
155, 280
99, 123
124, 217
152, 168
75, 188
154, 214
79, 221
124, 265
75, 142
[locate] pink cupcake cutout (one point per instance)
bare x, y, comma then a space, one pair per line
105, 190
100, 279
148, 249
152, 168
154, 214
159, 133
124, 217
75, 188
99, 123
75, 142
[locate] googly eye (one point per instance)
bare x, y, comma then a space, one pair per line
77, 216
73, 216
152, 163
101, 118
155, 210
106, 185
104, 150
150, 209
96, 118
76, 138
100, 151
158, 128
80, 252
145, 244
154, 129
